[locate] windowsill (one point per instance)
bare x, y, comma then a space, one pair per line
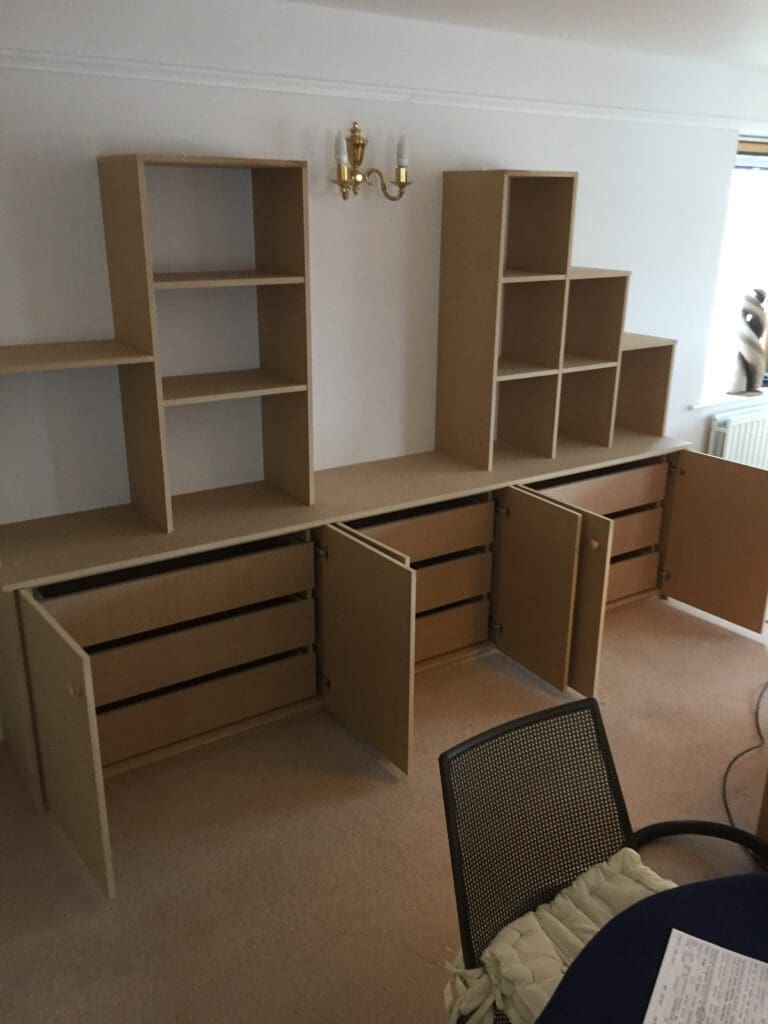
725, 402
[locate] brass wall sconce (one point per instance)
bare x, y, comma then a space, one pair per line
350, 153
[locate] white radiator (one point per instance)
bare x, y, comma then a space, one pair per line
741, 436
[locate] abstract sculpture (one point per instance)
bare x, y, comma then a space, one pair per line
751, 357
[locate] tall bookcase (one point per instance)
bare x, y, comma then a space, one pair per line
531, 348
277, 267
273, 201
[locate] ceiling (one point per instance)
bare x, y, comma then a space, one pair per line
735, 31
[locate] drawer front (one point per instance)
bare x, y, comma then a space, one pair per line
614, 492
437, 533
158, 721
633, 576
456, 580
635, 531
166, 598
135, 668
451, 629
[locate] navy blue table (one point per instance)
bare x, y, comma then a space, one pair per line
612, 979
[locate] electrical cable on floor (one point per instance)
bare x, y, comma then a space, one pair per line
743, 753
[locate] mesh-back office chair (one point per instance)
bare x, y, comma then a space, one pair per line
530, 805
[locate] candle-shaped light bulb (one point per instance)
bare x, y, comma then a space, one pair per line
402, 151
342, 156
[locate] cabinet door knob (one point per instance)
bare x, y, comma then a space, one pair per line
594, 545
75, 690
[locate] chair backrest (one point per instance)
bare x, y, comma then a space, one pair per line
529, 805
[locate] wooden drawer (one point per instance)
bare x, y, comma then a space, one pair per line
165, 598
451, 629
455, 580
633, 576
130, 669
437, 533
613, 492
636, 530
158, 721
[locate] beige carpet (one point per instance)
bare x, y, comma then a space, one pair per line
288, 875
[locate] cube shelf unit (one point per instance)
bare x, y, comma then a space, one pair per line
531, 349
277, 266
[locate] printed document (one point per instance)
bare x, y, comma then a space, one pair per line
701, 983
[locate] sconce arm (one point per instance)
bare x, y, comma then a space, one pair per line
401, 186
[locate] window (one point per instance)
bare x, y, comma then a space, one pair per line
743, 260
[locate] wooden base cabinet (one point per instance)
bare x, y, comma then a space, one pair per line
124, 665
675, 525
551, 558
147, 659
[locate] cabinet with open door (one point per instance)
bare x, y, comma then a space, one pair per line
561, 554
689, 526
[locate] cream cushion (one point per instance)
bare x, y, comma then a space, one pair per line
525, 962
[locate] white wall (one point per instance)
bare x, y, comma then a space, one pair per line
652, 139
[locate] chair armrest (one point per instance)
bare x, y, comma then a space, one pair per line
756, 846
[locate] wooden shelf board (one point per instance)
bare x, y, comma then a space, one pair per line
184, 160
514, 369
67, 355
632, 342
573, 363
196, 388
514, 276
83, 543
591, 273
222, 279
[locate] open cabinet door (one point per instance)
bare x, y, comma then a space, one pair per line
536, 552
716, 556
366, 634
591, 594
62, 694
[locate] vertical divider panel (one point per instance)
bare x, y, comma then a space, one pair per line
474, 212
126, 232
62, 688
281, 245
287, 439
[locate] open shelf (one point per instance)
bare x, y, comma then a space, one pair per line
631, 342
595, 317
526, 411
573, 363
587, 402
196, 388
538, 227
67, 355
220, 224
532, 326
644, 386
513, 369
223, 279
512, 276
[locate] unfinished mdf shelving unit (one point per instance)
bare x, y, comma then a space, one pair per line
275, 205
529, 345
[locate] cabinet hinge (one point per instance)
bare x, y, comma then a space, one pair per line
664, 576
501, 507
495, 624
321, 549
678, 470
323, 682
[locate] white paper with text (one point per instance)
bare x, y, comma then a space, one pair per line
701, 983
